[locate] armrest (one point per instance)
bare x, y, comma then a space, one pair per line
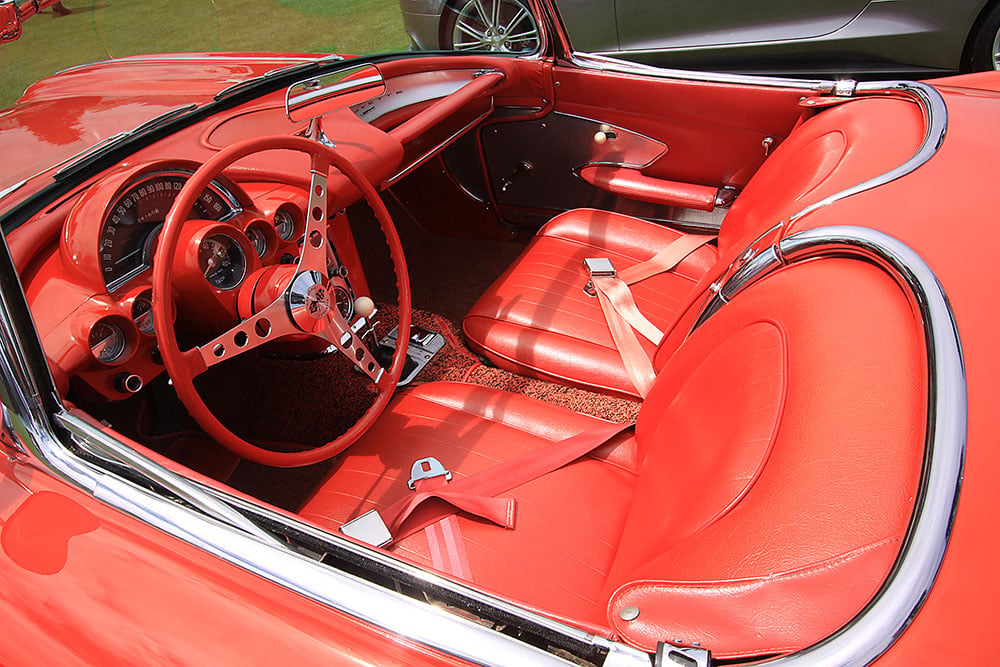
632, 183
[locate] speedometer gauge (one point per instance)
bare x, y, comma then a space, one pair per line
135, 217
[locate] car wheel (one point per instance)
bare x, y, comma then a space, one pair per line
505, 26
983, 52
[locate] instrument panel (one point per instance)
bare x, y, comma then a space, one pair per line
101, 276
133, 221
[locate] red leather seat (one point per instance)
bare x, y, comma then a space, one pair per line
536, 320
758, 507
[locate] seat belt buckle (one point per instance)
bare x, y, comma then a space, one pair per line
427, 468
600, 267
368, 528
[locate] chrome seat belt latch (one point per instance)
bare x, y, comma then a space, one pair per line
368, 528
426, 469
600, 267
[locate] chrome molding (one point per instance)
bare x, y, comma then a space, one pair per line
935, 113
930, 101
874, 630
608, 64
166, 58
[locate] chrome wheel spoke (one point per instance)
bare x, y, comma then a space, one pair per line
521, 13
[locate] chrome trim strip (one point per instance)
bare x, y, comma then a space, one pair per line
428, 154
935, 112
885, 618
386, 560
187, 58
15, 187
608, 64
88, 436
406, 617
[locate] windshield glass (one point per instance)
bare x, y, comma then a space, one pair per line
71, 33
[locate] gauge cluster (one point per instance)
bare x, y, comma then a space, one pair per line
109, 241
134, 219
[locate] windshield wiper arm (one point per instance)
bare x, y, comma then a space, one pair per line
301, 68
75, 162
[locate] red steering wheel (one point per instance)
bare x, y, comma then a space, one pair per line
305, 306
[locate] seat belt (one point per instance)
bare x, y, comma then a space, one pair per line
611, 288
435, 498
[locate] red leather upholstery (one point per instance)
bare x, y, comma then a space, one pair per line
537, 320
632, 183
534, 320
759, 505
562, 564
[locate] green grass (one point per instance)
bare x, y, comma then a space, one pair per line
102, 29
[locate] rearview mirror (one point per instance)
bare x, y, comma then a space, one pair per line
326, 93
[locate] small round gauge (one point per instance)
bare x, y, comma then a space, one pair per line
284, 224
142, 313
222, 261
258, 240
107, 342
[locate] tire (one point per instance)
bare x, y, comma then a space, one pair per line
983, 50
503, 26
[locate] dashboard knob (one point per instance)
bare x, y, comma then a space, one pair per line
604, 132
364, 306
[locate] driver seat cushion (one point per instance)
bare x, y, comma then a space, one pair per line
537, 320
562, 565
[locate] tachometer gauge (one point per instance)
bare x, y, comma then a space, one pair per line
133, 220
284, 225
107, 342
258, 240
222, 261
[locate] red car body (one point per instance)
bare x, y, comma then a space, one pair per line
91, 577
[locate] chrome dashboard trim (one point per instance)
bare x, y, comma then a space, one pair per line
896, 604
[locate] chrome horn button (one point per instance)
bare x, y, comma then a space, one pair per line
309, 301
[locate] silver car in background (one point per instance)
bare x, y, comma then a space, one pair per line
876, 38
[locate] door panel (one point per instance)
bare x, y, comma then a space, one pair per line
645, 24
684, 132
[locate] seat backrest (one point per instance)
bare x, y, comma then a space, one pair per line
780, 451
835, 150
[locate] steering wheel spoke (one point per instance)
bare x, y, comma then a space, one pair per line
315, 241
308, 306
267, 325
349, 343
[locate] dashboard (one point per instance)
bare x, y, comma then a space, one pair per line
90, 292
93, 303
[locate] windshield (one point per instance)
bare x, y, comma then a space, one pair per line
72, 33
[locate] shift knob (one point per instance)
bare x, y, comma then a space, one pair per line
364, 306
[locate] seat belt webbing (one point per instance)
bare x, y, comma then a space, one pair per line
621, 313
475, 494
